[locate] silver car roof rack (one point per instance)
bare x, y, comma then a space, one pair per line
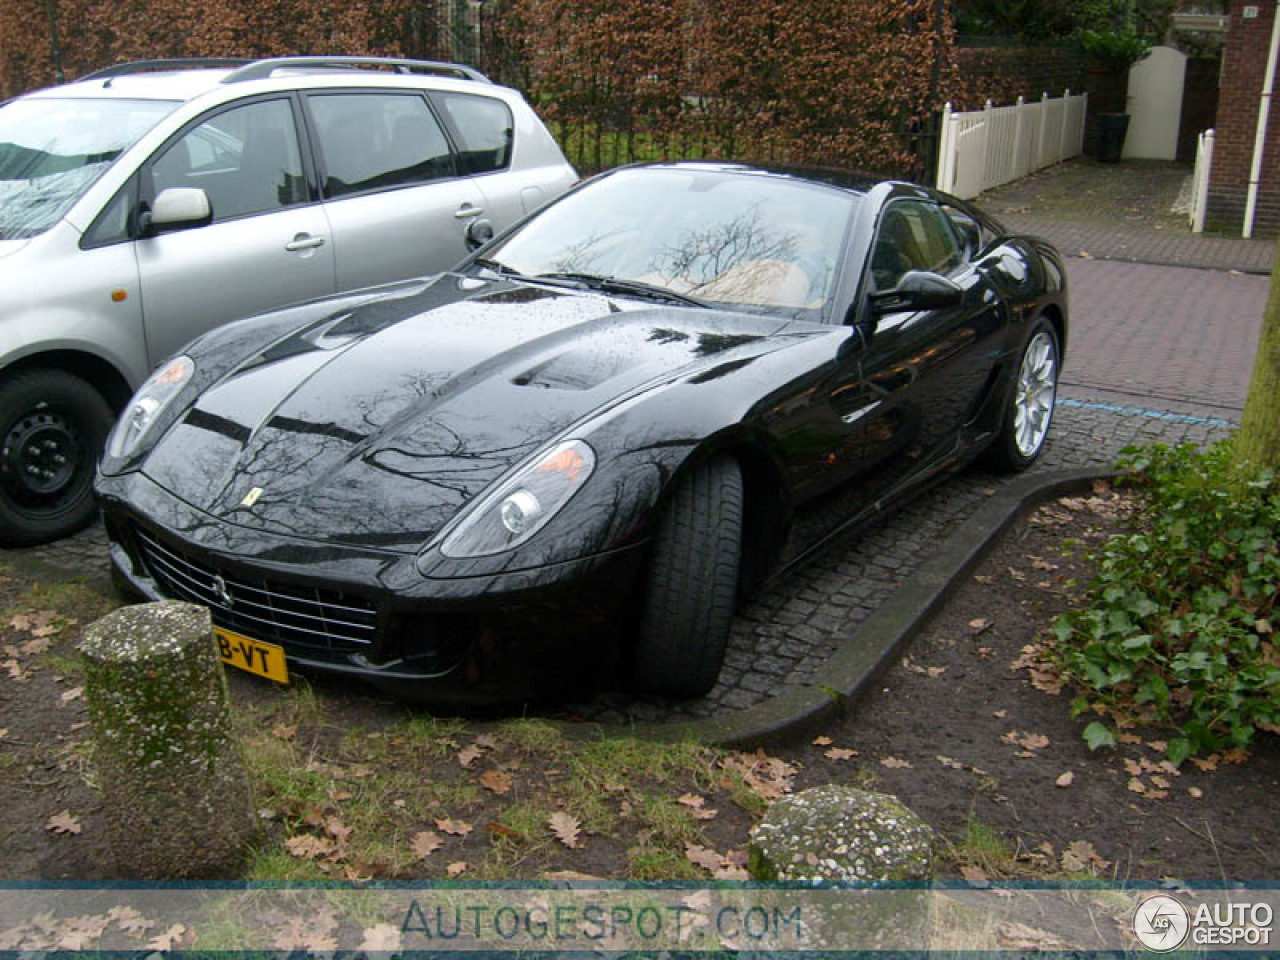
261, 69
143, 66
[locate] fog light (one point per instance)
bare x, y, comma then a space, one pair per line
519, 511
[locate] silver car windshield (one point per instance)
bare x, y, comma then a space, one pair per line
52, 151
747, 240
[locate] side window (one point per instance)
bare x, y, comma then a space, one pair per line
371, 141
245, 159
112, 224
971, 232
485, 127
914, 235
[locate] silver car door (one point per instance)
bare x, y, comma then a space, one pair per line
392, 190
266, 244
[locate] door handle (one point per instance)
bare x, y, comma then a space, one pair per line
467, 210
303, 241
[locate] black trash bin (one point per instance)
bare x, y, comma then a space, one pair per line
1111, 130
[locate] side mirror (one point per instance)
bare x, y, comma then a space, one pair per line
918, 290
478, 233
176, 208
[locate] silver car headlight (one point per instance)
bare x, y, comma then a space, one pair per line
524, 504
146, 406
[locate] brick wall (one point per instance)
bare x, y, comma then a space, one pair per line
1243, 69
1002, 73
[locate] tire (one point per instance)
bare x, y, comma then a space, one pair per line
691, 585
1028, 409
52, 428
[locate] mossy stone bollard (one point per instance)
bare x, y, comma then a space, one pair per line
841, 833
175, 791
844, 835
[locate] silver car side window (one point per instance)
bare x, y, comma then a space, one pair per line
485, 127
245, 159
375, 141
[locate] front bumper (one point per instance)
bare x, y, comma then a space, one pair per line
360, 611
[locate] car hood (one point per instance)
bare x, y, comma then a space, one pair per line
11, 246
377, 425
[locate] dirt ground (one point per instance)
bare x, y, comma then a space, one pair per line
960, 729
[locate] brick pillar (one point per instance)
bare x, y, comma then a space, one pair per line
1244, 67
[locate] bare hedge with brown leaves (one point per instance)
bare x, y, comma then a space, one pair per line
823, 81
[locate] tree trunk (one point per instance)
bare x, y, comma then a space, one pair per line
1259, 437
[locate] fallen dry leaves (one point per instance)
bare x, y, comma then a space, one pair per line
456, 828
307, 846
1081, 856
893, 763
730, 866
496, 781
63, 823
768, 777
457, 868
566, 828
697, 806
425, 843
1065, 780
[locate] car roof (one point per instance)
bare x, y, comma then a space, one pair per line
179, 85
182, 81
849, 181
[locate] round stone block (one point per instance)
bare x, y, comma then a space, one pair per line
841, 834
175, 792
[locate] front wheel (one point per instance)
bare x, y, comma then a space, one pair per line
692, 584
1029, 408
52, 427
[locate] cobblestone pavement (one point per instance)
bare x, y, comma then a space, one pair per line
1141, 245
1157, 353
1120, 212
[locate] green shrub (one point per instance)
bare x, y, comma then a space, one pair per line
1119, 49
1178, 623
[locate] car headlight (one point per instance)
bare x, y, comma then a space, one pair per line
146, 406
522, 505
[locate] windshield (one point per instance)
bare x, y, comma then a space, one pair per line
51, 152
745, 239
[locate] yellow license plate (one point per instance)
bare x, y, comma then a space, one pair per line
254, 656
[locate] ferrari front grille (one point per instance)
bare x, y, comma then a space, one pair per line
311, 621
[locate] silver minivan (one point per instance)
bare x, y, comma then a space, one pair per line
148, 202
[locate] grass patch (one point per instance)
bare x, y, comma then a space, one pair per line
660, 863
980, 846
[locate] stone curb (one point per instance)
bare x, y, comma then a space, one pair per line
878, 640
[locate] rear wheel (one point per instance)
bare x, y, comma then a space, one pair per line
1029, 409
692, 584
52, 427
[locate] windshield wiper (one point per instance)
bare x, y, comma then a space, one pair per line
631, 288
501, 269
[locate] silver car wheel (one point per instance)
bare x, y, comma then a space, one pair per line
1036, 389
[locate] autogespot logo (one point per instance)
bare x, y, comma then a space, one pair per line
1161, 923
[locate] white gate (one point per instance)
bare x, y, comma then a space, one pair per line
981, 149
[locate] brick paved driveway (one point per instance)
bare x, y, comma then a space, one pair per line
1164, 334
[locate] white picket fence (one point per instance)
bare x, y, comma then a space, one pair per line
981, 149
1200, 180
